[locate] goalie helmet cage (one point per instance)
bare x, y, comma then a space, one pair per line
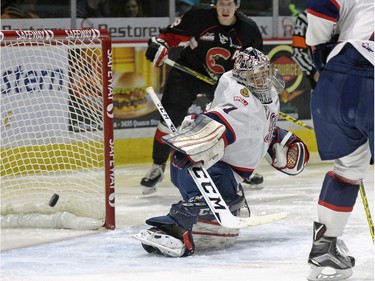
57, 129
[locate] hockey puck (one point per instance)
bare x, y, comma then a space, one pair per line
53, 200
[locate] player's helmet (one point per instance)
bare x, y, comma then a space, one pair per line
254, 70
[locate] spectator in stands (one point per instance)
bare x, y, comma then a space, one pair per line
154, 8
19, 10
132, 9
92, 9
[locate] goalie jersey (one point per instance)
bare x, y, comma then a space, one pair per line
250, 124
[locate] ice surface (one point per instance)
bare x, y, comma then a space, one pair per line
272, 252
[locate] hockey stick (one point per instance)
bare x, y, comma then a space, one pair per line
212, 82
296, 121
208, 188
367, 210
188, 70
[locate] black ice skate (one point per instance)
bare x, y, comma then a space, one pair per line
154, 176
328, 258
254, 182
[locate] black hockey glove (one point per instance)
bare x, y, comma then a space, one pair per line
157, 50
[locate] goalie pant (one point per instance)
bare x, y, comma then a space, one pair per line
190, 224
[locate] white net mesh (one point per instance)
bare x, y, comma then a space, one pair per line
52, 130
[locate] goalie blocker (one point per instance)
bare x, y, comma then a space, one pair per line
197, 141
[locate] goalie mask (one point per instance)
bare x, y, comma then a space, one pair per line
254, 70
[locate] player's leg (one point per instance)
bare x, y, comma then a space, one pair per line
336, 201
342, 109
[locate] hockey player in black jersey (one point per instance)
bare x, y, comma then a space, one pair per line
214, 38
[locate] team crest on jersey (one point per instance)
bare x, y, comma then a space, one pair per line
209, 36
223, 39
241, 100
245, 92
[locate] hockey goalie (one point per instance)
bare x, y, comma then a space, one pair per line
229, 140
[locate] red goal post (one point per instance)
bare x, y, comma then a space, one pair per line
57, 129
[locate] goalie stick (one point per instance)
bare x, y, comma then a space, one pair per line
209, 190
367, 210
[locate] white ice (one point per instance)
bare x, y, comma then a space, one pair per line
272, 252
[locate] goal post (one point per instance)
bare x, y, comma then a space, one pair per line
57, 140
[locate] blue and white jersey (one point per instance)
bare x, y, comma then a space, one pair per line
249, 123
353, 20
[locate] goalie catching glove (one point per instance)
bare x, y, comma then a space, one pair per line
197, 141
287, 153
157, 50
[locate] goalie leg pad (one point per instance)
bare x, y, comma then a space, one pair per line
210, 235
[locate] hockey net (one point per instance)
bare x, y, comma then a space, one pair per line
56, 129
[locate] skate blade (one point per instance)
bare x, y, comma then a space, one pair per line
146, 190
319, 273
249, 186
149, 190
